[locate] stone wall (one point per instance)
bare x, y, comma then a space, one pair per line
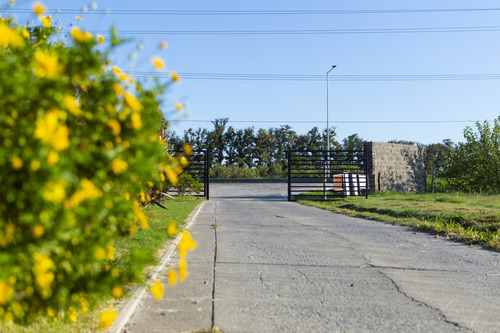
396, 167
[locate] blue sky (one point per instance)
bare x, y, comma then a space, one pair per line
270, 103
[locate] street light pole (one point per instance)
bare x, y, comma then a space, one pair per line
327, 164
327, 112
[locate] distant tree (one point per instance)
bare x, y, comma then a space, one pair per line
474, 165
284, 138
196, 138
405, 142
353, 142
334, 144
230, 148
245, 143
263, 148
436, 154
216, 140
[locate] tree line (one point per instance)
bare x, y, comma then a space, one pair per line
252, 148
473, 165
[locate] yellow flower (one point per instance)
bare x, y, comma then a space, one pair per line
132, 102
118, 166
183, 273
172, 228
59, 140
157, 290
84, 305
175, 77
26, 34
163, 45
78, 18
52, 158
38, 8
186, 244
183, 161
9, 37
46, 65
89, 190
72, 105
99, 253
43, 276
111, 252
172, 277
35, 165
49, 130
187, 149
171, 175
132, 230
179, 106
121, 75
45, 21
118, 88
136, 121
140, 216
158, 63
38, 231
80, 36
106, 319
17, 163
54, 191
72, 314
46, 126
6, 292
117, 291
100, 39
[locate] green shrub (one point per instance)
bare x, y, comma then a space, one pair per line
79, 142
474, 165
232, 171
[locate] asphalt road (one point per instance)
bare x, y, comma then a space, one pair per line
274, 266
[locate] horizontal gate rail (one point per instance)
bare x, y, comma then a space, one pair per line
327, 175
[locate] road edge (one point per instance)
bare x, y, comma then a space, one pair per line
128, 310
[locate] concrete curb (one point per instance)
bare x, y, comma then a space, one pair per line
128, 309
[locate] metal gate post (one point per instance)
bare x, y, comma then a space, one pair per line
367, 185
289, 157
325, 179
207, 175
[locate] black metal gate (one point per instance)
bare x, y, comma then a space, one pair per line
327, 175
199, 169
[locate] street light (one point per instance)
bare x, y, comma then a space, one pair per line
327, 113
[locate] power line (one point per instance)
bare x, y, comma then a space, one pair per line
337, 122
320, 78
304, 32
258, 12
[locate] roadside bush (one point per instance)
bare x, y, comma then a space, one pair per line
232, 171
474, 165
78, 144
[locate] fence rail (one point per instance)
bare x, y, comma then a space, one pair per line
327, 175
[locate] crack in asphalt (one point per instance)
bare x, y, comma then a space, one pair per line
437, 310
380, 271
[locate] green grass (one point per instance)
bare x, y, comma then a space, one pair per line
469, 218
144, 244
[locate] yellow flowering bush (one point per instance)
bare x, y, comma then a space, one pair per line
79, 143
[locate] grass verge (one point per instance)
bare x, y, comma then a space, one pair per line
469, 218
145, 244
